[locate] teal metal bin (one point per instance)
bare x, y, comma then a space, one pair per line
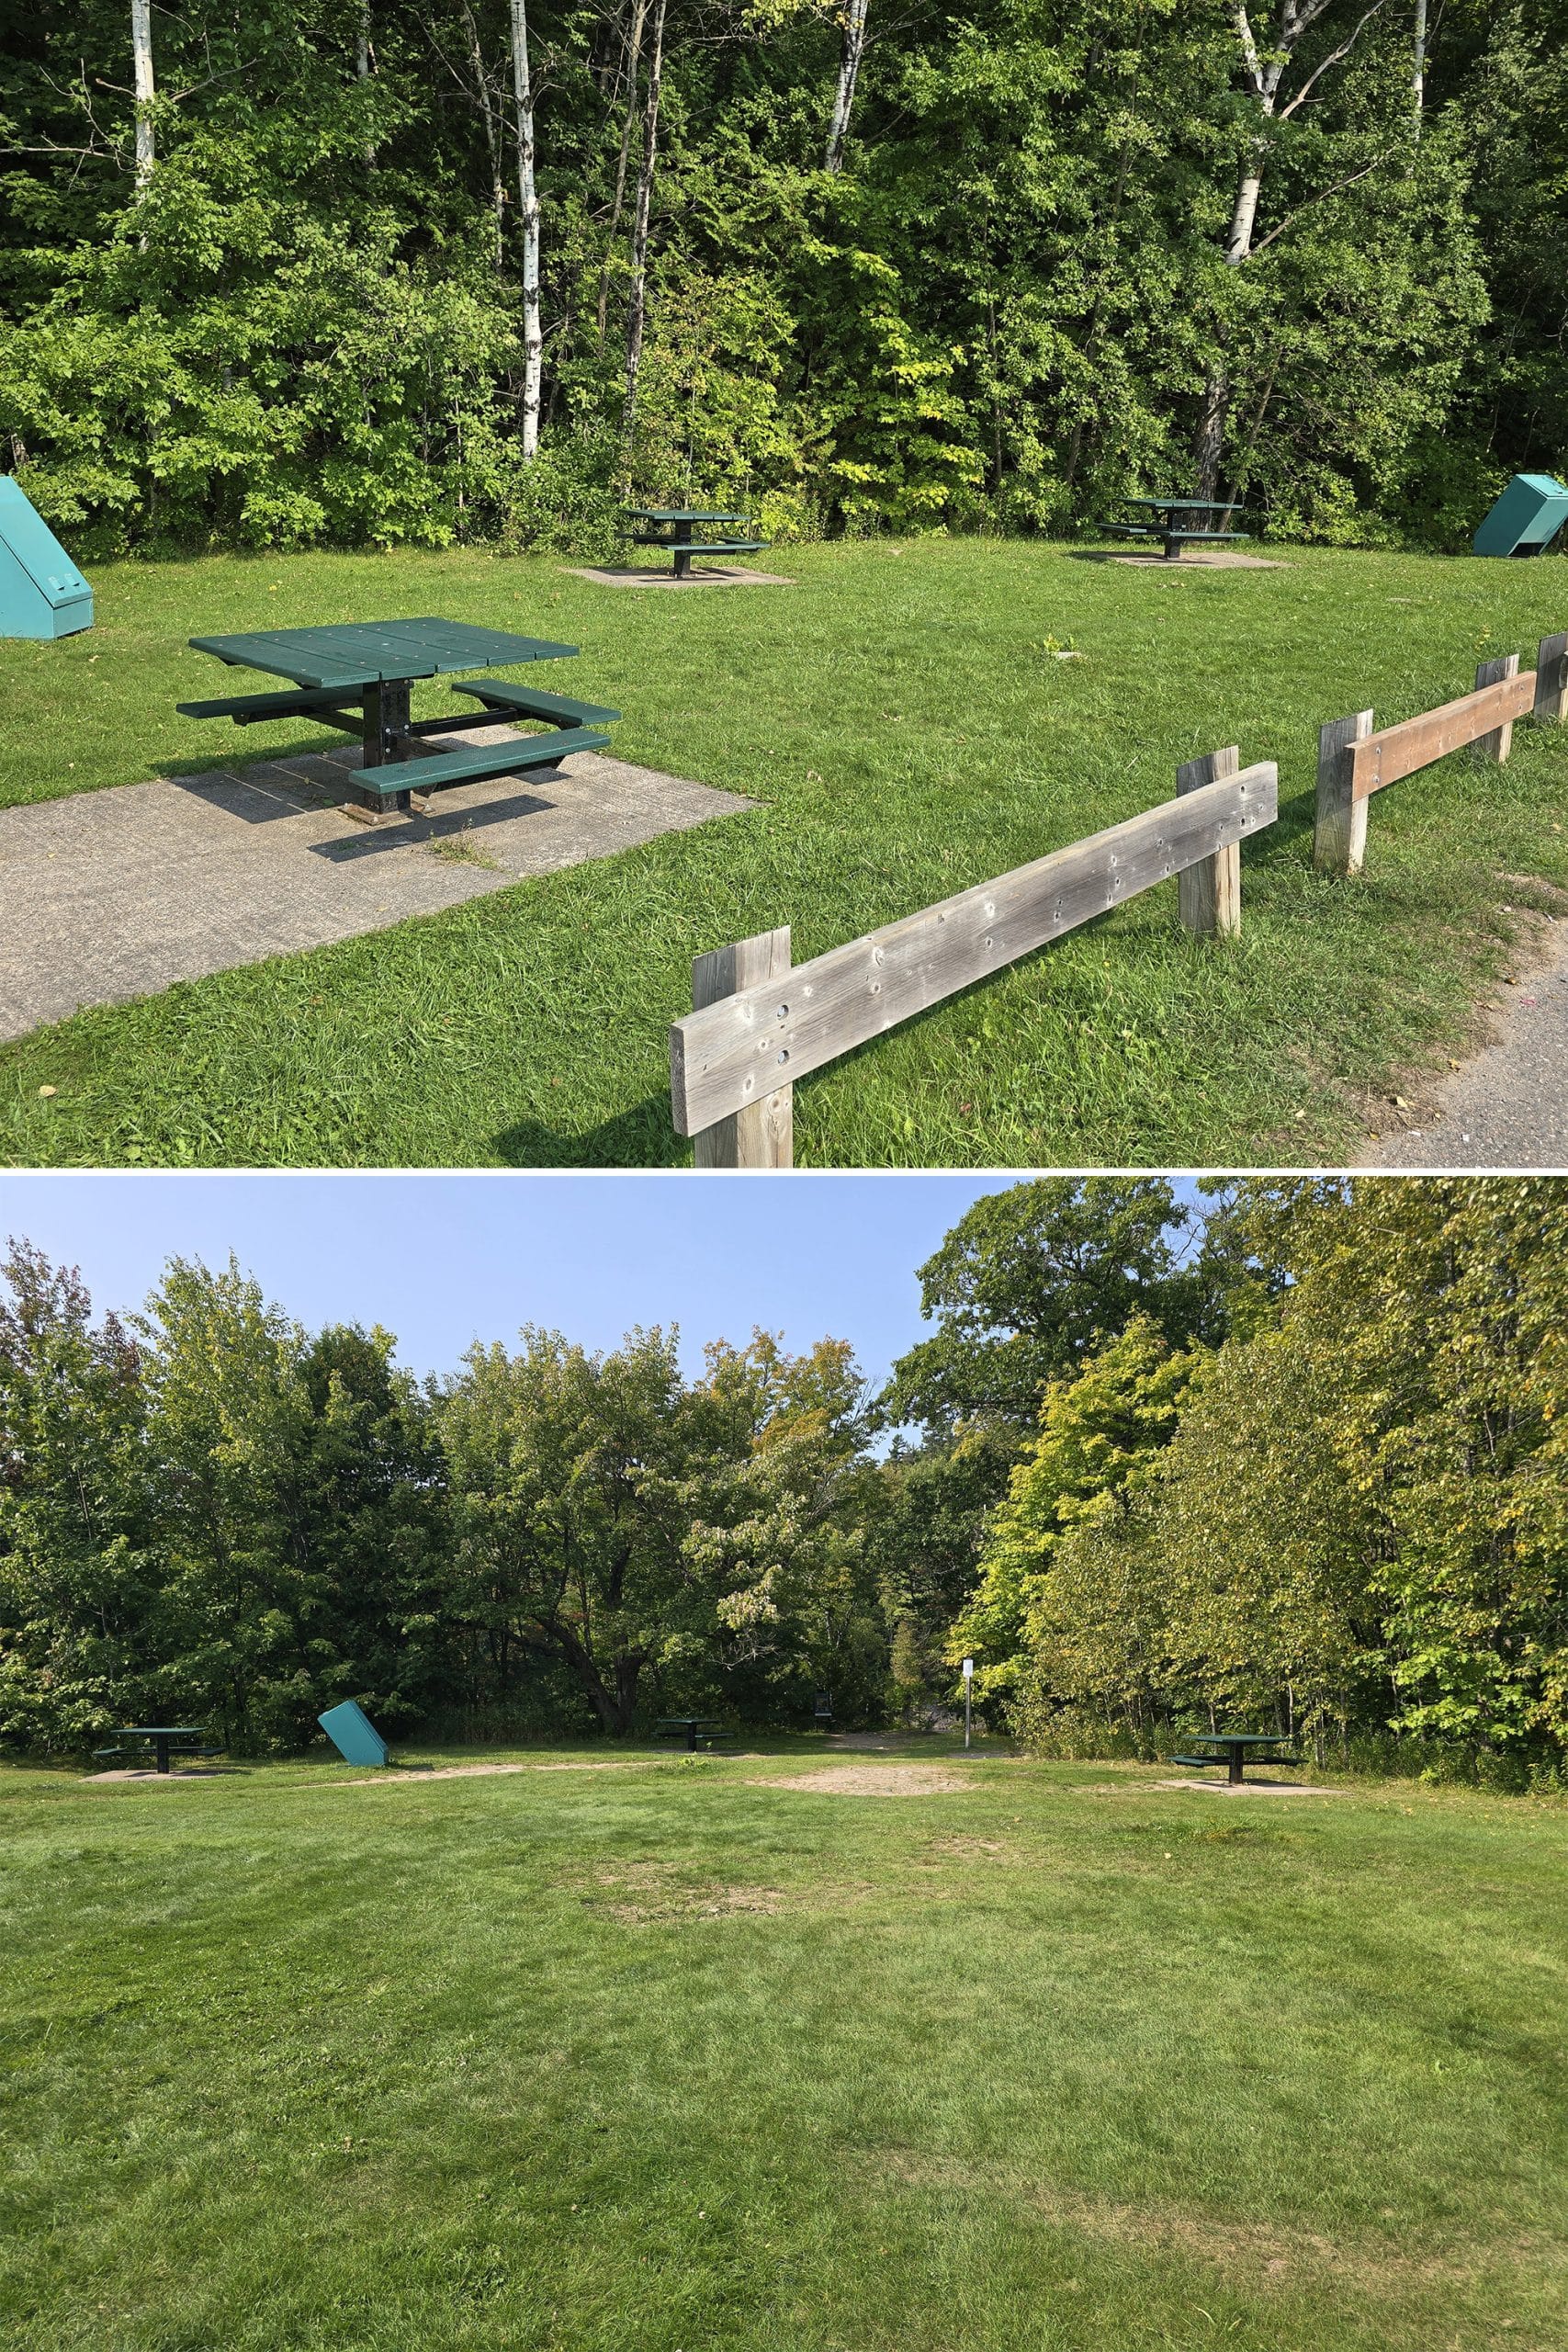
1526, 519
41, 592
353, 1735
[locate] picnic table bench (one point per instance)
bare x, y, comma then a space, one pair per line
1172, 526
675, 528
357, 678
1232, 1749
163, 1739
695, 1731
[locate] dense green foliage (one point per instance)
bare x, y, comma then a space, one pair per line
1351, 1517
302, 320
1334, 1499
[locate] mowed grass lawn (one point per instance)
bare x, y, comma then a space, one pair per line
657, 2056
902, 721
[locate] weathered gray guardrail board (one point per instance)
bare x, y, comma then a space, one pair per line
729, 1055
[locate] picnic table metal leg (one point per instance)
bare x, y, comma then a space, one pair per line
160, 1751
683, 563
1172, 546
691, 1739
1236, 1771
386, 721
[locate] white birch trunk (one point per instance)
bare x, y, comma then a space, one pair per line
637, 306
146, 91
364, 62
1419, 73
528, 202
849, 73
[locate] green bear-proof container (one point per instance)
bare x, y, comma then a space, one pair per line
41, 592
1526, 519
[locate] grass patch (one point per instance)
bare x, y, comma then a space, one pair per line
571, 2059
903, 716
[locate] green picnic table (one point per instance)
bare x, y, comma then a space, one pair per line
161, 1739
1234, 1751
675, 528
1171, 522
693, 1731
357, 677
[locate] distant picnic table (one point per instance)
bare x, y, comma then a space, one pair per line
1173, 525
693, 1731
1234, 1751
357, 677
675, 528
161, 1739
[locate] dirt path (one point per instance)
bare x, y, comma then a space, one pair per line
119, 893
1506, 1107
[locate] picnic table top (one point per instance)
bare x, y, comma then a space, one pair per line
353, 654
162, 1731
684, 514
1237, 1738
1183, 506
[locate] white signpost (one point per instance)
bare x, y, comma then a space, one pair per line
968, 1686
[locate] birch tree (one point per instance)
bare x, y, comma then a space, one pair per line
528, 205
146, 91
849, 74
637, 306
1263, 71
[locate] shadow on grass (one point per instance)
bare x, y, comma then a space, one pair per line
640, 1136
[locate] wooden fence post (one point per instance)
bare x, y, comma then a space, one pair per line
1209, 894
762, 1135
1500, 742
1340, 836
1551, 677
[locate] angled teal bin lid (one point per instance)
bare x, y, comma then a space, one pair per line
1525, 518
32, 545
353, 1735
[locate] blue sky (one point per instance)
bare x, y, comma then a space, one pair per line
442, 1259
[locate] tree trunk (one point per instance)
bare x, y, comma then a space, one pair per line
492, 136
1418, 74
1209, 447
533, 338
637, 306
364, 61
640, 19
849, 74
146, 90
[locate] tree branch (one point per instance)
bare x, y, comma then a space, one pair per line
1322, 197
1335, 57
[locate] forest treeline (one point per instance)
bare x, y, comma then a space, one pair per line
370, 272
1298, 1456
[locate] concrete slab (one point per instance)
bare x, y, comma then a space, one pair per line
1507, 1107
1248, 1788
711, 575
1202, 559
119, 893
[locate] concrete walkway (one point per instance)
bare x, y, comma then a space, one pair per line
118, 894
1507, 1107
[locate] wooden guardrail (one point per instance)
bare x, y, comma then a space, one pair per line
757, 1024
1353, 761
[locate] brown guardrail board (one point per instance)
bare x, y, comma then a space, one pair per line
738, 1050
1397, 751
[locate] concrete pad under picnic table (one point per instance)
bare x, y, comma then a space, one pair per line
119, 893
701, 575
1197, 559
